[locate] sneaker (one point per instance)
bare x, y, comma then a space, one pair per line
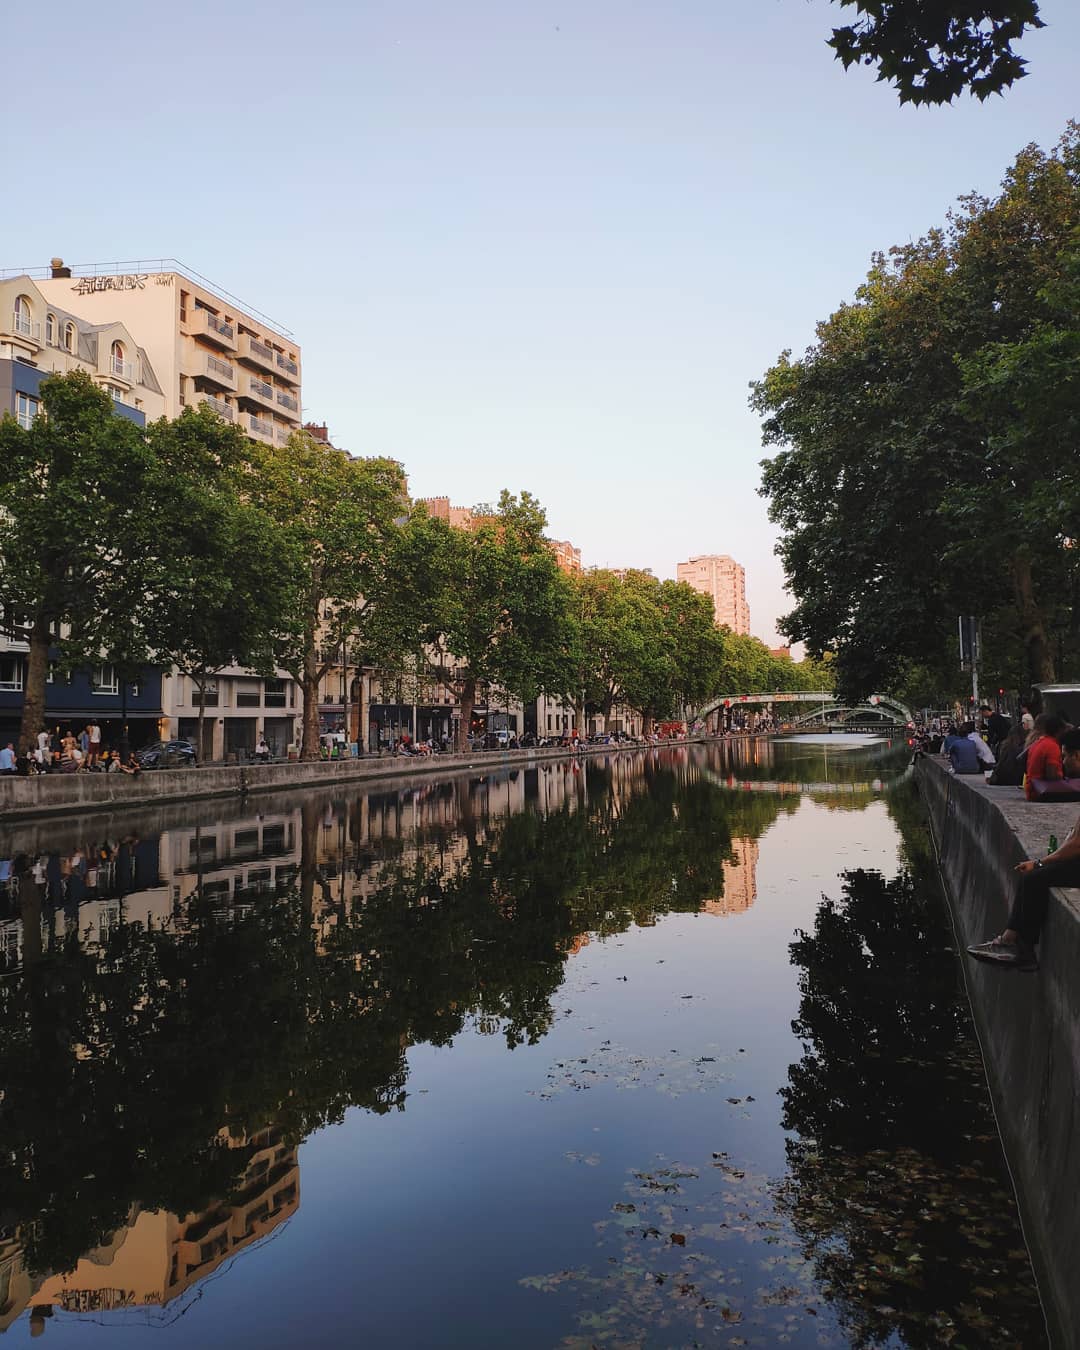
1001, 953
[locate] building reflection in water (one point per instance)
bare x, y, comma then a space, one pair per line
157, 1257
740, 880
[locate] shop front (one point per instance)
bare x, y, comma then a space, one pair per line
387, 723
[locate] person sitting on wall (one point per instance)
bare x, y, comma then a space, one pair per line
966, 752
1044, 753
1015, 944
1009, 771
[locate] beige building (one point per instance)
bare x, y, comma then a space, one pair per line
40, 336
723, 580
205, 346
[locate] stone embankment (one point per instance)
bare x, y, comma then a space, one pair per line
71, 794
1028, 1023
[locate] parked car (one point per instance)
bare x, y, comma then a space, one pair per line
167, 755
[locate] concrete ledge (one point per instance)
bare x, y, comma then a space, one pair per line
78, 793
1029, 1024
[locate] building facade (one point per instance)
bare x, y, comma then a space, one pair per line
723, 580
41, 337
206, 347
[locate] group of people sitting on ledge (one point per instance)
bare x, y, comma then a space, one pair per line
1042, 754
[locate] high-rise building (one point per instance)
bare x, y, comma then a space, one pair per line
204, 345
723, 580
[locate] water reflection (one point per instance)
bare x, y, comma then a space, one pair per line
190, 997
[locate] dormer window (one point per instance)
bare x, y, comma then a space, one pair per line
69, 337
118, 366
50, 329
23, 316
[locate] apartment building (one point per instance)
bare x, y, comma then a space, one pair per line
205, 345
723, 580
40, 337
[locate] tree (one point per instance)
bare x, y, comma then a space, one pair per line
932, 50
337, 517
911, 485
619, 639
496, 604
72, 487
217, 589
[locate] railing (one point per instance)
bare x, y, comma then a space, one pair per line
25, 326
261, 387
124, 370
261, 350
219, 406
219, 367
287, 401
261, 428
287, 364
282, 436
219, 326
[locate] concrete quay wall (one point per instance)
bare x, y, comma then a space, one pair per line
1028, 1023
79, 793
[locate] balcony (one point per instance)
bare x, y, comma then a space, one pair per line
219, 372
287, 401
120, 369
259, 428
256, 353
218, 405
287, 367
257, 392
25, 327
212, 328
281, 435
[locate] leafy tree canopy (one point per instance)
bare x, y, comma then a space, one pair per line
932, 50
928, 441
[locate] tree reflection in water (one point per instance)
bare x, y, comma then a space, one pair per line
896, 1185
143, 1072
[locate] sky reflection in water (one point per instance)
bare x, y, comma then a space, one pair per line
499, 1061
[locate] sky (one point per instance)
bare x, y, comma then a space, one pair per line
541, 246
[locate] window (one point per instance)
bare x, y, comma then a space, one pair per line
50, 329
69, 336
117, 353
115, 393
274, 693
210, 695
11, 673
26, 409
103, 680
24, 316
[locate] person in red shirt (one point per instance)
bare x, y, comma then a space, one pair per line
1044, 755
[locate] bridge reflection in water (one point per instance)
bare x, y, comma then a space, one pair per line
191, 994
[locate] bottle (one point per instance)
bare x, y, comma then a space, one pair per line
1053, 844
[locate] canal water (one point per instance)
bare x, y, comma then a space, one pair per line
665, 1049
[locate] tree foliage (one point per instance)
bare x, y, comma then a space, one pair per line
497, 610
932, 50
337, 519
928, 439
72, 486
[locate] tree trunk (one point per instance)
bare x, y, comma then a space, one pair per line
646, 724
579, 719
309, 686
468, 702
201, 732
1032, 626
37, 670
